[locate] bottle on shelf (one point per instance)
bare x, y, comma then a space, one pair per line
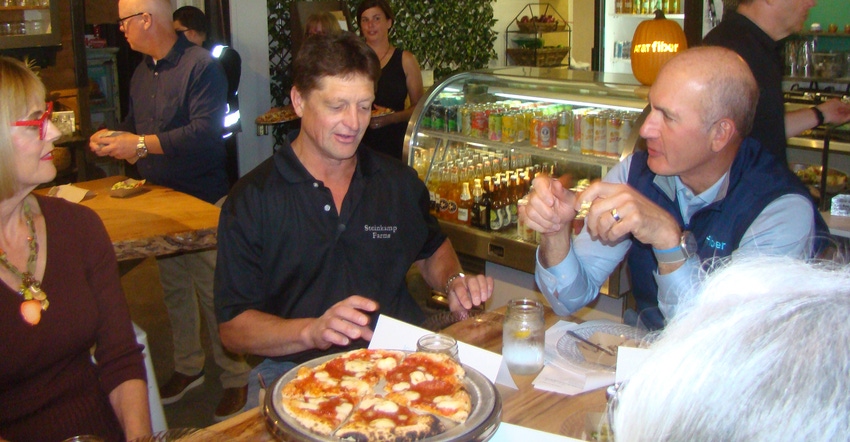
486, 207
464, 206
453, 196
434, 191
474, 211
442, 194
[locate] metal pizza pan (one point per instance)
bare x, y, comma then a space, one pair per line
484, 418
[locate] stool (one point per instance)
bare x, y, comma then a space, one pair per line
157, 412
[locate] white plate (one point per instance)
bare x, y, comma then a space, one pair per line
568, 348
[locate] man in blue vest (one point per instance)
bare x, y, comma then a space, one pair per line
701, 190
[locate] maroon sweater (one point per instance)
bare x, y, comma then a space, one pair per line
49, 387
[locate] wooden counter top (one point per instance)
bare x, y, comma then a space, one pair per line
159, 221
526, 406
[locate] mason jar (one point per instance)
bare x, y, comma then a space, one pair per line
523, 336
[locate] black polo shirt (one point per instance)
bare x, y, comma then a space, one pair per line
764, 57
283, 248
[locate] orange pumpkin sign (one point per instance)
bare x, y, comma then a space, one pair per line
655, 41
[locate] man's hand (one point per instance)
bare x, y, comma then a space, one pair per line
469, 291
835, 111
635, 214
549, 206
343, 322
121, 145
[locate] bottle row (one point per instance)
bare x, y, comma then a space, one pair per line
647, 6
585, 130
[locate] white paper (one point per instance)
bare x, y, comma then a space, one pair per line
392, 334
560, 375
513, 433
70, 193
629, 361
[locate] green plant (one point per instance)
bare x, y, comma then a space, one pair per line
446, 36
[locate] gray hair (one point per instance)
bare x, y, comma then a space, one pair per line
763, 353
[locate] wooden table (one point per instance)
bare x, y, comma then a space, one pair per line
526, 406
159, 221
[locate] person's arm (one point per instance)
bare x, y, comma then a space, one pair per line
784, 227
464, 292
259, 333
118, 354
834, 111
129, 400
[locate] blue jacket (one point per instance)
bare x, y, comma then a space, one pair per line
755, 180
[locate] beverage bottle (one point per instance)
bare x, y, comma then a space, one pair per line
434, 192
442, 194
474, 212
486, 205
515, 194
496, 205
464, 206
453, 196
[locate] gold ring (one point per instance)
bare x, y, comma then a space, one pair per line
615, 215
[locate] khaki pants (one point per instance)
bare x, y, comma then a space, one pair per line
187, 281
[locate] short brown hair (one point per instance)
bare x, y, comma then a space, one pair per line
325, 20
368, 4
338, 55
21, 90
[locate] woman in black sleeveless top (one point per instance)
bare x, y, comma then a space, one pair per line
400, 79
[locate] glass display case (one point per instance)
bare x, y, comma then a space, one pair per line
478, 138
29, 24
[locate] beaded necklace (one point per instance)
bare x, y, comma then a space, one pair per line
35, 300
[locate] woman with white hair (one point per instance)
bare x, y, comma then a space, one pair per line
762, 354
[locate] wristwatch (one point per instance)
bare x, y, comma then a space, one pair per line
687, 248
141, 147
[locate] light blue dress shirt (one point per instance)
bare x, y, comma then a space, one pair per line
784, 227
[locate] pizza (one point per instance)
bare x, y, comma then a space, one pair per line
382, 395
278, 115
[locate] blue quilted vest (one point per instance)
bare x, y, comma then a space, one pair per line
755, 180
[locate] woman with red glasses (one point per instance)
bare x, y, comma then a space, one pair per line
55, 309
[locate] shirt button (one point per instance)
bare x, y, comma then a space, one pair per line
316, 185
327, 207
341, 227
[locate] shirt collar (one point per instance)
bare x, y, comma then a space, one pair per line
676, 190
173, 56
291, 169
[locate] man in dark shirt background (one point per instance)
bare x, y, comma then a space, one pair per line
194, 25
754, 31
173, 132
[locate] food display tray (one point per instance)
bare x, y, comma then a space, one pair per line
482, 423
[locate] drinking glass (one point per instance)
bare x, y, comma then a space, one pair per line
438, 343
523, 336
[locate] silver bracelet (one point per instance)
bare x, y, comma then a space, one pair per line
451, 280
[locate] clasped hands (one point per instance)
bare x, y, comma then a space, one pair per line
121, 145
615, 211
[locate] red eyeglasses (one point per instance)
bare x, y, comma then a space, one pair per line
41, 122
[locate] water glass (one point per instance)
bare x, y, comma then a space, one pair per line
438, 343
523, 336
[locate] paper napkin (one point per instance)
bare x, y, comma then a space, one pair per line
70, 192
560, 375
390, 333
512, 433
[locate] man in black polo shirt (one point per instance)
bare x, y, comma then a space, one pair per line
755, 31
317, 240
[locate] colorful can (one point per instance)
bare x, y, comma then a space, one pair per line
465, 116
587, 124
438, 117
521, 125
478, 122
451, 119
600, 133
578, 118
547, 128
426, 117
615, 124
509, 127
565, 125
494, 125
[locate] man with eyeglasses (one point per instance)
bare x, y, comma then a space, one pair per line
173, 133
701, 190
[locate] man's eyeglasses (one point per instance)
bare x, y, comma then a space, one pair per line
122, 20
41, 122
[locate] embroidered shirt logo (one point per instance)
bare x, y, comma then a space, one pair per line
380, 232
714, 244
